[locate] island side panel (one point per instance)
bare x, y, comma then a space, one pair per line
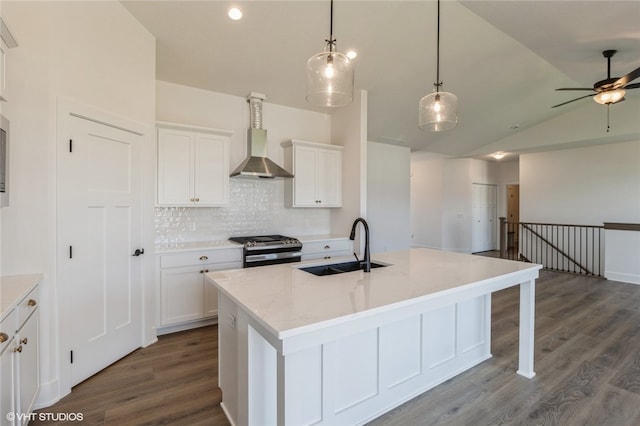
228, 356
353, 379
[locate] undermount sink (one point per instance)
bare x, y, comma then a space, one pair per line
338, 268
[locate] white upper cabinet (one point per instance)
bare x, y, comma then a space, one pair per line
317, 170
193, 166
6, 42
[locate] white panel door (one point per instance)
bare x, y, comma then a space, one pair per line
483, 211
100, 201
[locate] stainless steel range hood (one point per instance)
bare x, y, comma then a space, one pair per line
257, 165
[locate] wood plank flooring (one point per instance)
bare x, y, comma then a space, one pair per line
587, 360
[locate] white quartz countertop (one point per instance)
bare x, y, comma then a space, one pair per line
195, 246
288, 301
14, 288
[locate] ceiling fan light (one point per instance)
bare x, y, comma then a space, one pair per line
609, 96
437, 111
329, 79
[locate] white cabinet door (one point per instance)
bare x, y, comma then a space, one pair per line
7, 382
28, 365
175, 167
3, 53
211, 169
185, 294
193, 168
329, 178
182, 294
317, 170
305, 177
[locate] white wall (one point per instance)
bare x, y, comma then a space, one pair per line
441, 199
97, 54
388, 197
588, 186
349, 129
255, 206
584, 186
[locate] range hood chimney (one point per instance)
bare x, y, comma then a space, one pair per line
257, 165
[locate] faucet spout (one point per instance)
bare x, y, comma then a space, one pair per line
352, 236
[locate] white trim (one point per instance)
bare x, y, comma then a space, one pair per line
622, 277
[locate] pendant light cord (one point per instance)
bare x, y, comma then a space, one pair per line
438, 83
331, 22
331, 41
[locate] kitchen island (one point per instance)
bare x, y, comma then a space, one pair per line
296, 349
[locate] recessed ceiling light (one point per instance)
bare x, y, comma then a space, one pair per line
499, 155
351, 54
235, 13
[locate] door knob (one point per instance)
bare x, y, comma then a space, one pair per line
138, 252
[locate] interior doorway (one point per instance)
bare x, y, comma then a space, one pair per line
484, 209
513, 215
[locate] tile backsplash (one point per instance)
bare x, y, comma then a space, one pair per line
256, 207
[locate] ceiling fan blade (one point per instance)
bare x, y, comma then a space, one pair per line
622, 81
573, 100
632, 86
575, 88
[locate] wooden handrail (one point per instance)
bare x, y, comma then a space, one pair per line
622, 226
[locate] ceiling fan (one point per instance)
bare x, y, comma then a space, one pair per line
610, 90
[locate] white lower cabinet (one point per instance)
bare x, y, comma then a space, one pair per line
19, 361
185, 295
327, 249
28, 371
7, 376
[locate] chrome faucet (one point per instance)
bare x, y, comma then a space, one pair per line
367, 257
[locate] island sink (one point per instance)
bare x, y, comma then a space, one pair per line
339, 268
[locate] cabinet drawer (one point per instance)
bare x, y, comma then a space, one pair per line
27, 306
8, 328
327, 246
201, 257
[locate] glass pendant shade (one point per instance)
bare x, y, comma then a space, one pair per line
329, 79
437, 111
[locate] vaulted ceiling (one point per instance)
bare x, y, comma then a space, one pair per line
503, 59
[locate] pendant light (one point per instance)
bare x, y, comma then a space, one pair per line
329, 75
438, 110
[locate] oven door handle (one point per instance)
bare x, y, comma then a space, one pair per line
272, 256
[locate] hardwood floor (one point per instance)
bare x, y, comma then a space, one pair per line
587, 361
172, 382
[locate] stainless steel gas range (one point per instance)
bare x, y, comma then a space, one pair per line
263, 250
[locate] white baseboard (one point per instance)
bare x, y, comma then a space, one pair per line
186, 326
48, 395
622, 277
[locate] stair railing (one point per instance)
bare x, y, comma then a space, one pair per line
569, 248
